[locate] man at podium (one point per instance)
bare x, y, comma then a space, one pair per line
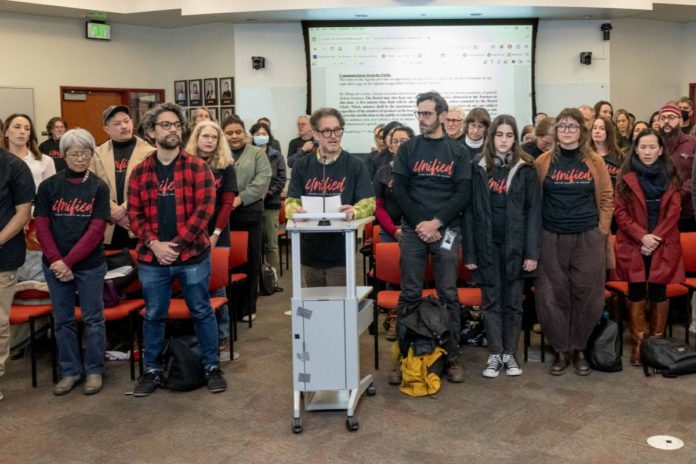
329, 172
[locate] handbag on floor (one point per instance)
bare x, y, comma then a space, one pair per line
604, 346
183, 366
269, 280
667, 356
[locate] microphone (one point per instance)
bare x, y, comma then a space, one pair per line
324, 221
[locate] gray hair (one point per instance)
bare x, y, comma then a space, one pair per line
78, 137
457, 109
151, 117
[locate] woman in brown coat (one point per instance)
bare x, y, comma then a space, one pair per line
577, 206
648, 251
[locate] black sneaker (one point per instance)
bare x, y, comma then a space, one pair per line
147, 384
216, 380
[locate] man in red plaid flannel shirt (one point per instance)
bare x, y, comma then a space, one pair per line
171, 198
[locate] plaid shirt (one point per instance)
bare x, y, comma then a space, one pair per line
195, 203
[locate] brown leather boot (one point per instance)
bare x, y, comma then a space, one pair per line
658, 318
391, 332
636, 320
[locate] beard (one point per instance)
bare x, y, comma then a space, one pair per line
170, 142
670, 132
428, 129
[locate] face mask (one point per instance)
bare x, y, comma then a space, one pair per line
685, 115
261, 140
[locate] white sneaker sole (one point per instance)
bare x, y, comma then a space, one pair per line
491, 374
514, 373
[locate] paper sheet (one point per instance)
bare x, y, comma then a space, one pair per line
316, 204
118, 272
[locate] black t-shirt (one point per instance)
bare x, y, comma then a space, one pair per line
497, 188
71, 207
51, 148
532, 149
225, 181
16, 188
384, 189
166, 201
569, 205
347, 177
433, 167
122, 155
613, 166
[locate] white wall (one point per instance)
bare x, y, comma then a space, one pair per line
561, 80
688, 57
45, 53
278, 92
647, 66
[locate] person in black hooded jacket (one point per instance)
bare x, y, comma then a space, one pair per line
506, 211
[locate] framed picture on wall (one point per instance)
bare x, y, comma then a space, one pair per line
211, 91
227, 91
195, 98
213, 113
226, 112
180, 93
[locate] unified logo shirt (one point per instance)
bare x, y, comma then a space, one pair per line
569, 205
70, 208
497, 187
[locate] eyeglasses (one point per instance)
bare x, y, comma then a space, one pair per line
397, 142
209, 136
669, 118
166, 125
329, 132
423, 114
453, 121
572, 128
78, 154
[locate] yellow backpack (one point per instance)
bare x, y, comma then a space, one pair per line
420, 375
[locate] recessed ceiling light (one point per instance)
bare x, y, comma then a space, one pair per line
588, 17
474, 14
361, 16
251, 20
423, 14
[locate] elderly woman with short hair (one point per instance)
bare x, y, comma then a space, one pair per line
72, 208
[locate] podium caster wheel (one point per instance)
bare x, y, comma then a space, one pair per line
297, 425
371, 390
352, 424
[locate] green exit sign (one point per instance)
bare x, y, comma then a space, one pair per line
98, 31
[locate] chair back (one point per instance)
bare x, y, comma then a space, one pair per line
239, 248
688, 245
367, 232
388, 262
218, 260
376, 229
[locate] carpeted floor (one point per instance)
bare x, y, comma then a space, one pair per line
535, 418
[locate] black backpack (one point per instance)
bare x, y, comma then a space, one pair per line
667, 356
183, 367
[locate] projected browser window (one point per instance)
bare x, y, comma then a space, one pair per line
372, 74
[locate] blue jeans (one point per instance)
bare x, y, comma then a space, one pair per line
385, 237
157, 291
89, 284
223, 313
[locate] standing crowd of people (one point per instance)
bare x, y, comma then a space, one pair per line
469, 190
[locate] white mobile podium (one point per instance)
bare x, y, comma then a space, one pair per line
326, 326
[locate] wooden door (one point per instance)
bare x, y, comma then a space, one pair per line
83, 108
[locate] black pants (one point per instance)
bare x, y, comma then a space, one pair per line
502, 307
252, 222
639, 291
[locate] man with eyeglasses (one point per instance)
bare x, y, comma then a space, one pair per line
330, 172
432, 186
681, 148
113, 162
171, 198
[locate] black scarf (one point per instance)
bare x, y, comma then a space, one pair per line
653, 179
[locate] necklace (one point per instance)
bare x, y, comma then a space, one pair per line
86, 176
